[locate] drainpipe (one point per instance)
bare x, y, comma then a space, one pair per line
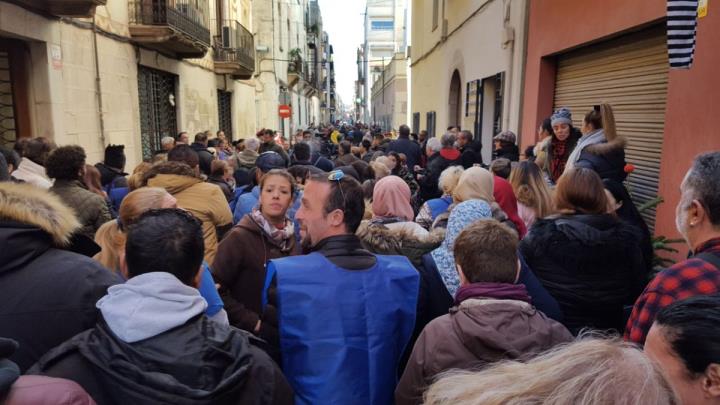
98, 85
508, 41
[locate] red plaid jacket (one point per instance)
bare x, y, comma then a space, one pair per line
683, 280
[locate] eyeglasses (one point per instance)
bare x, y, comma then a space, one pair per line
337, 175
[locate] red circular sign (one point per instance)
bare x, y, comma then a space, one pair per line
284, 111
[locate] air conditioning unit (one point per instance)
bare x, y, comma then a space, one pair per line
226, 38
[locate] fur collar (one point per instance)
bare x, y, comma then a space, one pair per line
34, 206
383, 240
607, 148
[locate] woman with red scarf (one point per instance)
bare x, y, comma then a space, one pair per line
561, 145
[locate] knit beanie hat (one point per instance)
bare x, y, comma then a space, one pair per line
561, 116
115, 156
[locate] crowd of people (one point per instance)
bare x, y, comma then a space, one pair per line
349, 265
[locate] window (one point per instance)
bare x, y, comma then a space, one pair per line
435, 14
225, 112
382, 25
430, 124
156, 91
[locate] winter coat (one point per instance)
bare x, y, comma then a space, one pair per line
607, 159
239, 268
224, 186
47, 294
470, 157
109, 174
38, 390
547, 152
31, 172
245, 159
91, 209
153, 345
205, 156
592, 264
385, 240
205, 201
438, 162
437, 300
410, 149
509, 151
474, 334
345, 160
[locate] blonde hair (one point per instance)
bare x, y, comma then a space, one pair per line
475, 183
111, 235
591, 371
380, 169
531, 189
449, 179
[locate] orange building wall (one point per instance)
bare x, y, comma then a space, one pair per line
693, 107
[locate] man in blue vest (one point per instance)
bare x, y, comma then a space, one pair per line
345, 315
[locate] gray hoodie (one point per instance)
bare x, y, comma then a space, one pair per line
148, 305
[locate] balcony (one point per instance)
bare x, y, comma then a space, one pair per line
62, 8
295, 67
234, 51
178, 28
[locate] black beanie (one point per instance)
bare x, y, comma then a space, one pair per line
115, 156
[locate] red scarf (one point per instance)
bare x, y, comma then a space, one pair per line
560, 154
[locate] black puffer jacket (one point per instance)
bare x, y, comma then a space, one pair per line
607, 159
196, 363
591, 264
47, 294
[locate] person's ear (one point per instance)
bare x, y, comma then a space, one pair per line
461, 275
198, 277
696, 213
337, 218
711, 381
123, 265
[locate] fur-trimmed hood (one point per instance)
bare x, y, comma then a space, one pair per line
607, 148
33, 206
380, 239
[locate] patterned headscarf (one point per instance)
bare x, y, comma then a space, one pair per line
461, 217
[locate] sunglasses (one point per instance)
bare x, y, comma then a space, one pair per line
337, 175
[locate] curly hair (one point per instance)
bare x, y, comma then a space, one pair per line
65, 163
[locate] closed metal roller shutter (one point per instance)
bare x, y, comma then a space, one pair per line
631, 74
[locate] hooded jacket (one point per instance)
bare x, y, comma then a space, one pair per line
154, 345
205, 156
204, 200
109, 174
239, 268
474, 334
607, 159
47, 294
31, 172
592, 264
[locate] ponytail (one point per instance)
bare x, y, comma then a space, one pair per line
602, 117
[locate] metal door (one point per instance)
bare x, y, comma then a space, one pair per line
156, 90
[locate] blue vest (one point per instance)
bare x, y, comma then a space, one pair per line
342, 332
439, 205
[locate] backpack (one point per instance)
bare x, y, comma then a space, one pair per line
115, 194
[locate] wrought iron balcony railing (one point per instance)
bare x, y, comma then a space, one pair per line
234, 50
175, 26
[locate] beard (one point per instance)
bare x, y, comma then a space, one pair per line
306, 245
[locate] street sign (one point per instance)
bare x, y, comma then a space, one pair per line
284, 111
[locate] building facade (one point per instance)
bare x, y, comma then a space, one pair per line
385, 35
620, 57
466, 64
95, 73
389, 95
